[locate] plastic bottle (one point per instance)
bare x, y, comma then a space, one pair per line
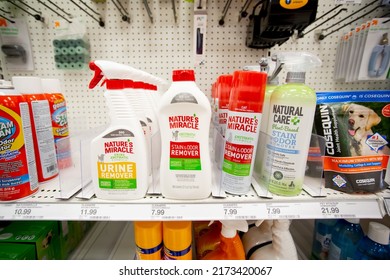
150, 108
322, 237
138, 102
283, 246
18, 172
177, 238
257, 237
230, 246
148, 240
184, 118
345, 239
45, 152
292, 108
259, 159
243, 125
375, 245
59, 119
119, 167
223, 91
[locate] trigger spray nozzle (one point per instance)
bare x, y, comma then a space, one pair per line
230, 227
97, 75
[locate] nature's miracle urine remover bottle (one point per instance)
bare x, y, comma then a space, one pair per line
242, 130
184, 117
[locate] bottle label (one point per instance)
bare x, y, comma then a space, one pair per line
289, 129
241, 140
184, 155
59, 118
150, 253
173, 255
222, 121
18, 176
115, 164
45, 138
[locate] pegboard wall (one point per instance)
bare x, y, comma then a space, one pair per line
164, 45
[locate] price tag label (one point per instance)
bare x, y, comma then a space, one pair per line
243, 211
159, 211
350, 209
29, 211
291, 210
94, 212
330, 209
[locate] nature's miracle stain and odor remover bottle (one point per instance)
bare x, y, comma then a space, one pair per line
184, 117
290, 122
242, 131
118, 155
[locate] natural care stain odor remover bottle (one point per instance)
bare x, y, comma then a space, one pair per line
290, 122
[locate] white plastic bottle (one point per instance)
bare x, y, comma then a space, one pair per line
184, 118
258, 236
292, 108
118, 162
137, 100
283, 246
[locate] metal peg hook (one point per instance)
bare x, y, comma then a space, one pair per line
122, 10
54, 11
322, 36
10, 20
100, 20
37, 17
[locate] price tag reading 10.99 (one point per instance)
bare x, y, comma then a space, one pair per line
22, 211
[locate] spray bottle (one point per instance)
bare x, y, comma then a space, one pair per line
292, 108
230, 246
119, 166
138, 103
283, 246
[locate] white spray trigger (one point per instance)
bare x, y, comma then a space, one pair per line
299, 61
230, 227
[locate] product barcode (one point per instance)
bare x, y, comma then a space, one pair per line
51, 168
245, 217
185, 175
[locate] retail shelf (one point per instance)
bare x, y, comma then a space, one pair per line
45, 206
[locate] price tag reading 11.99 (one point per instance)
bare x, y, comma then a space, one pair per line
89, 211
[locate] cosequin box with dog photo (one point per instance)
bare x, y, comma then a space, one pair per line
356, 128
